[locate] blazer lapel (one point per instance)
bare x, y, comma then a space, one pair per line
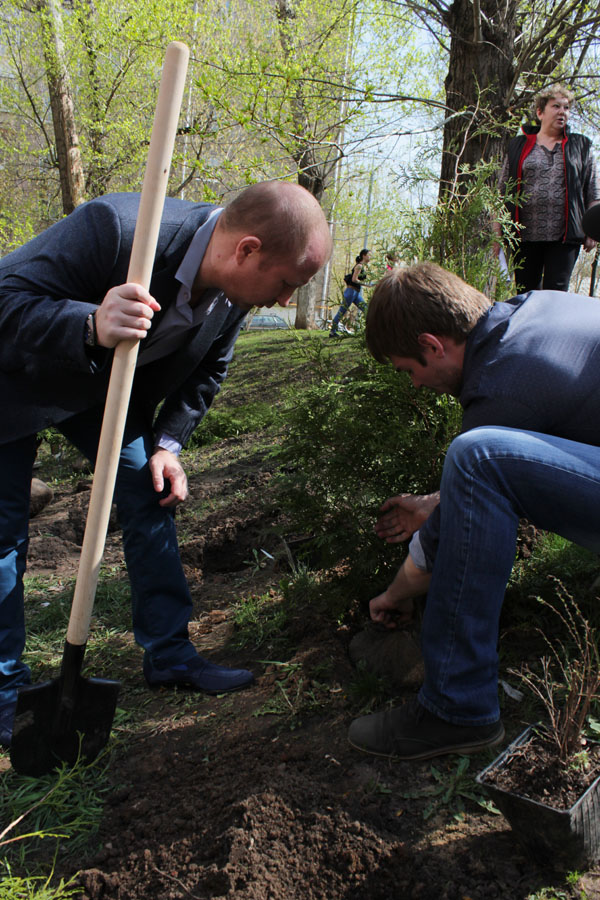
173, 370
171, 251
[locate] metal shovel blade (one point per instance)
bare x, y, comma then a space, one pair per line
53, 725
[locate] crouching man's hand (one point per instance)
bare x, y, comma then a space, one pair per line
389, 612
401, 516
395, 606
164, 465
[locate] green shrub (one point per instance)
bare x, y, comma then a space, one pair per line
457, 233
349, 443
353, 441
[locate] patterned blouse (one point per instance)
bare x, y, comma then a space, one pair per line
542, 197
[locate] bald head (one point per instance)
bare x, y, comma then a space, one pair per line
286, 218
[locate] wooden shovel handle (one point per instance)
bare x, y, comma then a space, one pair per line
143, 251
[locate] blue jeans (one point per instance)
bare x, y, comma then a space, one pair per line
161, 601
350, 296
491, 478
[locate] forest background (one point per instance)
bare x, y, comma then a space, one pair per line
393, 113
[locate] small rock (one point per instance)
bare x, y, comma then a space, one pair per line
391, 654
41, 496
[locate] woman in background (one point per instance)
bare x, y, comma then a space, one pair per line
353, 291
552, 175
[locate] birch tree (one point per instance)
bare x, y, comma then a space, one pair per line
68, 154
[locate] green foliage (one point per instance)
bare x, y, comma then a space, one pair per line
112, 54
232, 422
450, 789
457, 232
267, 621
550, 553
593, 727
550, 893
272, 83
48, 608
13, 887
367, 690
377, 786
309, 595
63, 808
14, 232
259, 622
349, 443
296, 696
553, 893
248, 114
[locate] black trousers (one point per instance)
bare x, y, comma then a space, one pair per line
544, 264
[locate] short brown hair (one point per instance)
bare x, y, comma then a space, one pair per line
421, 299
549, 93
283, 215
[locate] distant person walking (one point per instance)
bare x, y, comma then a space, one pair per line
353, 292
552, 174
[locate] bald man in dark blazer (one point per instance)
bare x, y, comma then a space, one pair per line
64, 305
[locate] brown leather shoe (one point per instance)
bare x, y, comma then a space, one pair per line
412, 732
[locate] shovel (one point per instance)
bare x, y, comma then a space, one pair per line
70, 717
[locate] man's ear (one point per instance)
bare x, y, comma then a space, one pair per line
246, 246
433, 344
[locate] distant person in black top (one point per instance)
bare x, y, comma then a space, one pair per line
352, 294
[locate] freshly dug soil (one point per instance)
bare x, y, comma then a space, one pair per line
258, 795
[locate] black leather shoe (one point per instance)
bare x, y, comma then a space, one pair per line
7, 717
412, 732
199, 674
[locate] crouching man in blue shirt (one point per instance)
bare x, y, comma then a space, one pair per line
526, 375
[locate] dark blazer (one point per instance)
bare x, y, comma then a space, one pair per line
49, 286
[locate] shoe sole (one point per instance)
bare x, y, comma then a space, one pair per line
463, 749
198, 690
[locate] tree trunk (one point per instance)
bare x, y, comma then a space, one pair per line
478, 84
313, 173
311, 176
97, 173
72, 182
306, 299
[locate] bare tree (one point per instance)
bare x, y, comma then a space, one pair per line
72, 181
499, 55
316, 161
